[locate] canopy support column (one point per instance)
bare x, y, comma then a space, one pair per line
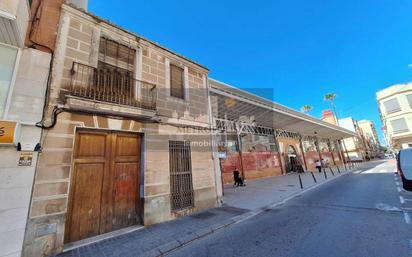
303, 153
330, 149
239, 144
318, 149
279, 154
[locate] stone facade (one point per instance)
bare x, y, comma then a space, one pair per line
174, 119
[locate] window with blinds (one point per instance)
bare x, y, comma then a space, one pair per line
116, 57
409, 97
399, 126
392, 106
181, 184
177, 82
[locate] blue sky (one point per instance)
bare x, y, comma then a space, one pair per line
302, 49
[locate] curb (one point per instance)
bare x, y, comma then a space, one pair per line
201, 233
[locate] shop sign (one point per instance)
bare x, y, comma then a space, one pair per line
222, 155
9, 132
26, 158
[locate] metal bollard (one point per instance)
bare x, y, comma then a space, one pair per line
331, 171
324, 172
313, 176
300, 181
338, 169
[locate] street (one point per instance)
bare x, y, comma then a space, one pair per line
360, 214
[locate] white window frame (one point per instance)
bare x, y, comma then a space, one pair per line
12, 81
387, 112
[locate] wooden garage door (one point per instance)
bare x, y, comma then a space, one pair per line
104, 193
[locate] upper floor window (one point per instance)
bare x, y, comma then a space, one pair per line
409, 97
116, 57
7, 63
399, 126
177, 82
392, 106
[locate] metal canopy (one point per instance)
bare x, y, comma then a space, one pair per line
256, 113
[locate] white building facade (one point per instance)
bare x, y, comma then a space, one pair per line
23, 79
395, 106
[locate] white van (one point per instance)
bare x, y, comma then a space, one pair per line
404, 161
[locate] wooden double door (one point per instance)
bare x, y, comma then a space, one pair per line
104, 191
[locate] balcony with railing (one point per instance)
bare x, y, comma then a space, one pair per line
109, 88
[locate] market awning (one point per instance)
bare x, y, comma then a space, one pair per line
233, 104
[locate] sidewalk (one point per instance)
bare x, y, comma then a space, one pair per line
263, 192
239, 204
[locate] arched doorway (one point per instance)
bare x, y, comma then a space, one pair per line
292, 159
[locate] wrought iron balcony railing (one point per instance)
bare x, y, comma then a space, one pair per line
111, 86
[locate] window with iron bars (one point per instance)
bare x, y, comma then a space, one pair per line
181, 183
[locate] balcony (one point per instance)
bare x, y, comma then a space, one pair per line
14, 18
110, 92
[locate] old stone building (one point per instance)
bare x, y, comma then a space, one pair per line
124, 140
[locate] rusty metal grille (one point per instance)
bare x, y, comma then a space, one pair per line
181, 183
111, 85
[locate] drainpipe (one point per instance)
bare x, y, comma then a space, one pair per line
303, 152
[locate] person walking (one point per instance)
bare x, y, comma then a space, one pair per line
236, 177
318, 166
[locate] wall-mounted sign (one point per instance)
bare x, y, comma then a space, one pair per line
222, 155
9, 132
26, 158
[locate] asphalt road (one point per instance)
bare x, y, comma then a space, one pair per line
359, 214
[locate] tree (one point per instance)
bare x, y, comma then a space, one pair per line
330, 97
306, 108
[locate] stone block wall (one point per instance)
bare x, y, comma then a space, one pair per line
78, 41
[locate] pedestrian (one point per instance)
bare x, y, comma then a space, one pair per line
318, 166
237, 178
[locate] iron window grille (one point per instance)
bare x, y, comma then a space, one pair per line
181, 181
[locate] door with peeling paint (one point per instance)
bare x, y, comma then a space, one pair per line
104, 192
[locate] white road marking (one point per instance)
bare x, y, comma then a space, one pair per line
397, 183
399, 189
402, 199
407, 208
386, 207
407, 218
410, 245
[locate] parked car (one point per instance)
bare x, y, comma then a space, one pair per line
404, 163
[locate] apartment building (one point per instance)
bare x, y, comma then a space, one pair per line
23, 79
371, 138
395, 106
126, 138
354, 146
